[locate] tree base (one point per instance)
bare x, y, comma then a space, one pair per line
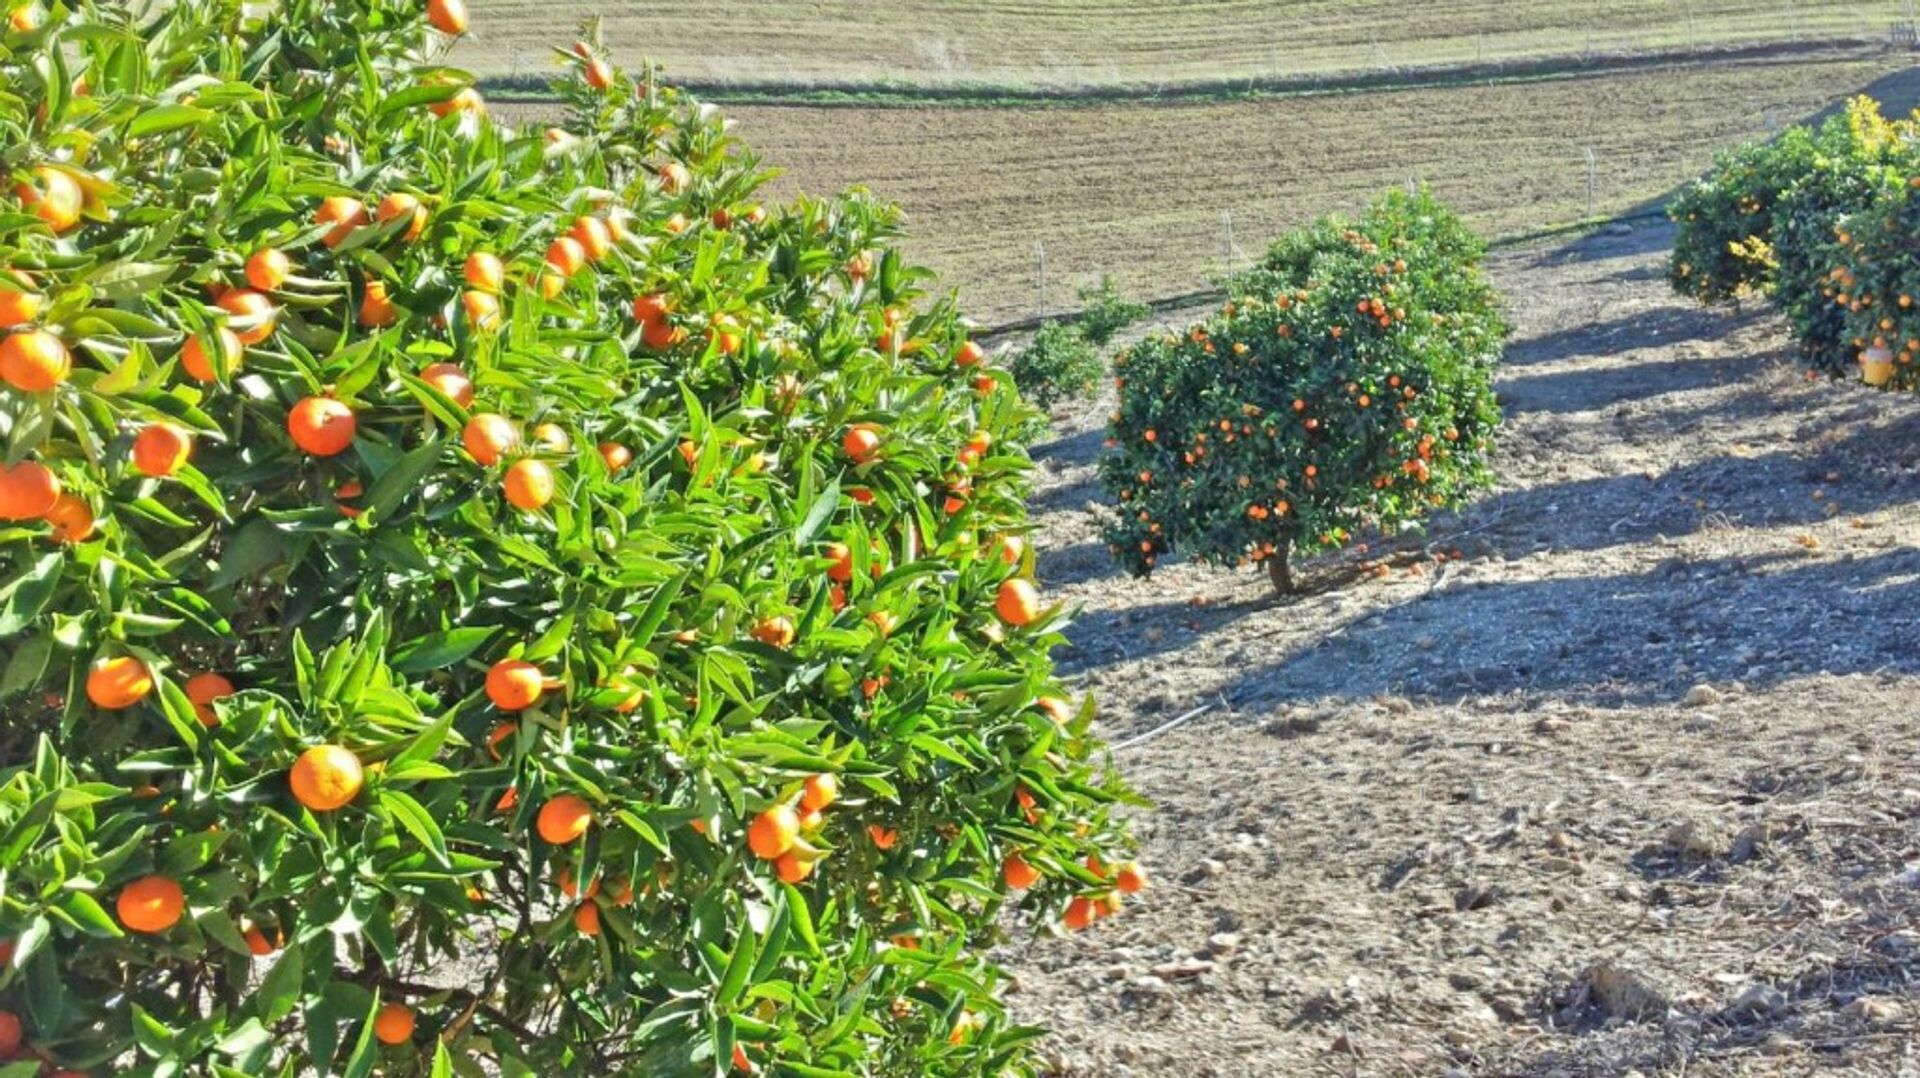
1280, 572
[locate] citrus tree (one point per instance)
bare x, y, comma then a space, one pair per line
487, 601
1347, 386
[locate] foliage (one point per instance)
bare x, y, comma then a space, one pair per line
1059, 363
1769, 219
1104, 312
753, 567
1347, 387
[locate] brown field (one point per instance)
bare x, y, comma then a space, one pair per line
1126, 42
1139, 190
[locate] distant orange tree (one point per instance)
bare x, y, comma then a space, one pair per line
1345, 388
493, 602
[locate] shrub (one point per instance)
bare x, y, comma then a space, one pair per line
1347, 387
1058, 364
494, 602
1104, 312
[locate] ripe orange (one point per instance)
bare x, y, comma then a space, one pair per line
258, 943
553, 438
661, 334
1018, 873
1012, 549
819, 791
467, 99
202, 690
1130, 878
53, 196
27, 490
1081, 912
402, 206
649, 308
326, 777
883, 837
482, 308
1053, 707
71, 518
571, 887
598, 74
587, 919
773, 832
451, 381
488, 437
792, 869
674, 177
775, 631
841, 571
970, 355
484, 271
528, 485
321, 426
593, 236
160, 449
394, 1024
615, 455
566, 256
268, 269
200, 364
118, 683
1018, 602
563, 819
17, 308
344, 214
448, 16
151, 904
253, 314
11, 1035
515, 685
377, 309
34, 361
862, 442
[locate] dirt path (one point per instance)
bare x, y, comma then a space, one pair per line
1633, 786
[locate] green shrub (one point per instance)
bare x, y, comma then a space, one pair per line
1104, 312
1347, 387
321, 688
1058, 364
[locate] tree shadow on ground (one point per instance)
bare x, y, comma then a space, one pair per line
1592, 389
1616, 639
1663, 327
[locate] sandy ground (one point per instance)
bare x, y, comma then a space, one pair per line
1630, 788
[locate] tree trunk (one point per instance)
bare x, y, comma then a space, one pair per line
1279, 571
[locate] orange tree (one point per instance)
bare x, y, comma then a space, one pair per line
487, 601
1346, 386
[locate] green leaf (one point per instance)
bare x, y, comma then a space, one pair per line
25, 666
402, 479
280, 991
163, 118
414, 817
438, 651
123, 282
27, 594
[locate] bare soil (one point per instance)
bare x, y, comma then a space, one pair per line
1630, 787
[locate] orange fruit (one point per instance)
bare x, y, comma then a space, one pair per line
528, 485
377, 309
484, 271
598, 74
27, 491
321, 426
160, 449
587, 919
11, 1034
970, 355
199, 362
515, 685
150, 904
1053, 707
862, 442
34, 361
593, 236
202, 690
792, 869
819, 791
883, 837
661, 334
252, 311
841, 571
1081, 912
71, 518
467, 99
402, 206
773, 832
326, 777
811, 820
488, 437
393, 1024
448, 16
553, 438
566, 256
344, 214
551, 284
268, 269
674, 177
649, 308
451, 381
1018, 874
1012, 548
17, 308
775, 631
1130, 878
482, 308
563, 819
1018, 602
615, 455
571, 887
118, 683
257, 942
53, 196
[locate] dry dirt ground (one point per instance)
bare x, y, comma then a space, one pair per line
1631, 788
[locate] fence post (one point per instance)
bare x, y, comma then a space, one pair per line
1590, 182
1227, 217
1040, 276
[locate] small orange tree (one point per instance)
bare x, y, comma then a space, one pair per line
493, 602
1347, 386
